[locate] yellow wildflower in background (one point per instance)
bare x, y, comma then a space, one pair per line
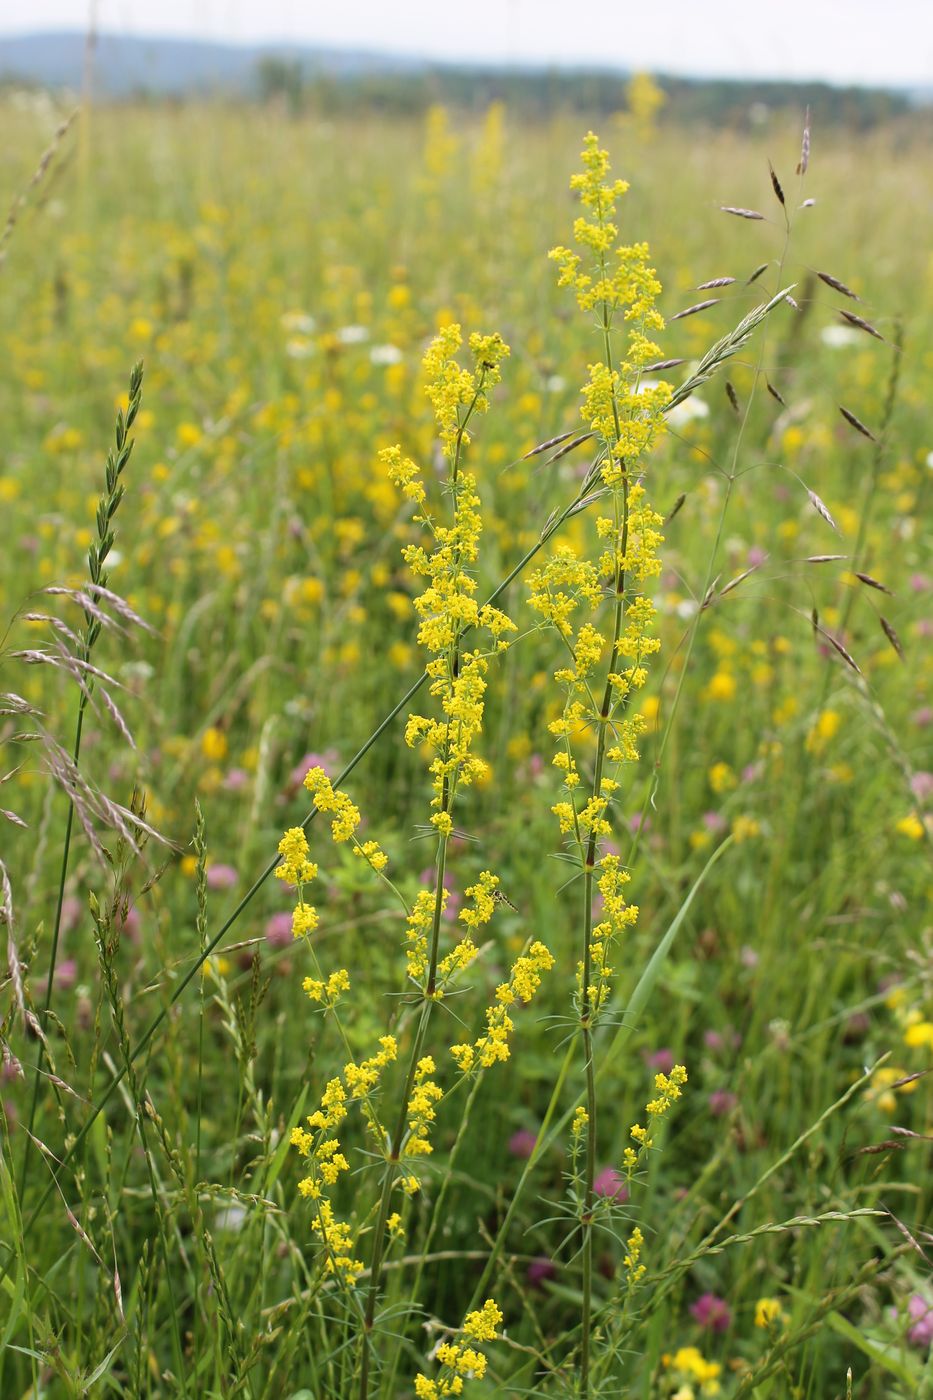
768, 1313
911, 826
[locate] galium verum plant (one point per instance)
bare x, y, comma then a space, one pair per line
399, 1138
603, 618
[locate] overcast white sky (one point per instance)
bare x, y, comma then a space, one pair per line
872, 41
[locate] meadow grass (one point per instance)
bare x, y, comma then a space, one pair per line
280, 279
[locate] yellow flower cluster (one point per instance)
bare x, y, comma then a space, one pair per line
484, 900
328, 992
524, 981
450, 388
419, 924
459, 1359
337, 1241
634, 1269
326, 1162
320, 1146
296, 869
448, 608
483, 895
346, 817
548, 588
667, 1090
421, 1114
617, 916
688, 1366
362, 1079
626, 416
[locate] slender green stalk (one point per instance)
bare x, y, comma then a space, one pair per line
397, 1139
108, 947
117, 458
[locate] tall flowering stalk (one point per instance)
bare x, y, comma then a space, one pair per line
604, 619
448, 611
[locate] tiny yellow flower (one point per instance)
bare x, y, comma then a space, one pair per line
768, 1312
214, 744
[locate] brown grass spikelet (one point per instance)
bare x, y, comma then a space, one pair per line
873, 583
549, 443
740, 213
692, 310
837, 285
776, 186
861, 324
892, 636
857, 424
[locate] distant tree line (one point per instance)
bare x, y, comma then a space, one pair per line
539, 93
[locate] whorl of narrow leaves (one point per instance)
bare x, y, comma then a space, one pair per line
107, 507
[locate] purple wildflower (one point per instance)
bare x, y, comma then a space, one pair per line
609, 1184
713, 1312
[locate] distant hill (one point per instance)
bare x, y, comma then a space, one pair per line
345, 80
170, 67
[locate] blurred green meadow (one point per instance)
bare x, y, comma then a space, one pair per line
280, 277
